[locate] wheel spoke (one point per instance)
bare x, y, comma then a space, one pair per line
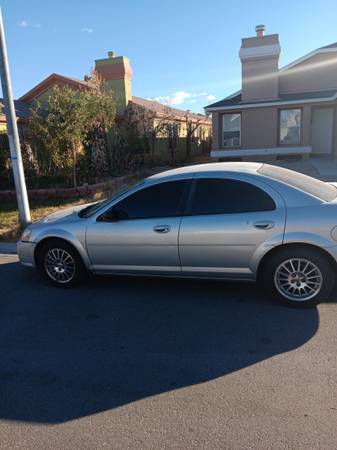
285, 268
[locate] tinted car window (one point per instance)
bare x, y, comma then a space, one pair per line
92, 209
160, 200
221, 196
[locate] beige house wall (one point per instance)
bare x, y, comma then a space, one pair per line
216, 130
306, 125
260, 126
317, 73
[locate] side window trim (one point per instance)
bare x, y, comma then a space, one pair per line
185, 197
189, 199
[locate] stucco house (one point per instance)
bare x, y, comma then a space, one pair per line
116, 73
279, 111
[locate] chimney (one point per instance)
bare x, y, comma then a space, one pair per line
117, 76
259, 57
260, 29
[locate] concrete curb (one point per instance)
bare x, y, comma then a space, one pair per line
8, 248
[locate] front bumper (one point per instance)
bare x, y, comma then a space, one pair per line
26, 253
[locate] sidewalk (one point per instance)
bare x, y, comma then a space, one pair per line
323, 168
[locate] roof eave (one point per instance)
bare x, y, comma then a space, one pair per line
266, 104
44, 85
307, 56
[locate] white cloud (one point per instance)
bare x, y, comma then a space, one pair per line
87, 30
177, 98
23, 23
180, 97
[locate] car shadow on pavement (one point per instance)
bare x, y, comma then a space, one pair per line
69, 353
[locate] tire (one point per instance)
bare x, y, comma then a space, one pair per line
60, 264
312, 281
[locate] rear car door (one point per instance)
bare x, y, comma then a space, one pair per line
226, 223
139, 234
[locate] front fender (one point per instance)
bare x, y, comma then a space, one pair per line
56, 233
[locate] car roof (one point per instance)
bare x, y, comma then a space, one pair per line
244, 167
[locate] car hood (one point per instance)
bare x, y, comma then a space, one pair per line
64, 214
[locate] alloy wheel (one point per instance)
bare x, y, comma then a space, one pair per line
59, 265
298, 279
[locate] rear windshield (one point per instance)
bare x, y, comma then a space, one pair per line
312, 186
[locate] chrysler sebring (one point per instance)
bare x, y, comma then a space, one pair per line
238, 221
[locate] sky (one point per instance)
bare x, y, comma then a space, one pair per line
182, 52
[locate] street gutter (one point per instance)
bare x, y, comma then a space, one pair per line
8, 248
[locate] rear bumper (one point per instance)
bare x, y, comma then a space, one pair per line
26, 253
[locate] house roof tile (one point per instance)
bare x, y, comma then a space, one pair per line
160, 108
21, 109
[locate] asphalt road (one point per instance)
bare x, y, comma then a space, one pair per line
162, 364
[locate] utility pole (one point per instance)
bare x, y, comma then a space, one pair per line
12, 131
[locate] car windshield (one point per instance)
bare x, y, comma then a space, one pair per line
324, 191
90, 210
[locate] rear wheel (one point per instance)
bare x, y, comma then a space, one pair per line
60, 263
299, 277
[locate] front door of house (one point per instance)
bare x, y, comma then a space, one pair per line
321, 130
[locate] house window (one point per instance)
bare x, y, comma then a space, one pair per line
231, 129
290, 126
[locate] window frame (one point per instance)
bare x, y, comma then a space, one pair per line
222, 130
193, 184
279, 126
181, 207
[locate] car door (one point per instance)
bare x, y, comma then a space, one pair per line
226, 223
139, 233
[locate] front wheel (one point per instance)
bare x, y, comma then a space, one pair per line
299, 277
60, 263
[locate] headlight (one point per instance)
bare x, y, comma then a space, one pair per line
26, 235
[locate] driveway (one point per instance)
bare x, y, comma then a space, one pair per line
151, 364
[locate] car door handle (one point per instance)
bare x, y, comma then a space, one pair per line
264, 224
162, 228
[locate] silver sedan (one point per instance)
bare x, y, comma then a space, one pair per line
238, 221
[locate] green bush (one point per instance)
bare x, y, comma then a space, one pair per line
6, 177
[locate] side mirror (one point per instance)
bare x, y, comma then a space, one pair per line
109, 216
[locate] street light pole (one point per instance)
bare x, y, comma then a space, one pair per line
12, 131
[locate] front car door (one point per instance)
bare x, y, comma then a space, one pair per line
227, 223
139, 233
